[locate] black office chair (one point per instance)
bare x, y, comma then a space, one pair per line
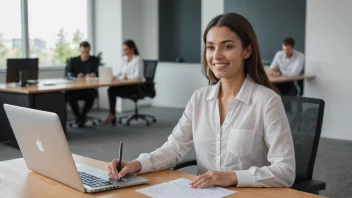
146, 89
94, 121
306, 119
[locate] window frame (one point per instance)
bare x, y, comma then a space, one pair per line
25, 35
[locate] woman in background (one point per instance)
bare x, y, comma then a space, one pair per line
132, 69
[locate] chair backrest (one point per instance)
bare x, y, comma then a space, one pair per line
149, 70
305, 116
147, 89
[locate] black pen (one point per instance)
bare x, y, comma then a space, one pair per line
119, 165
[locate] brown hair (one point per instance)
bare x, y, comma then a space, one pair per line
253, 65
289, 41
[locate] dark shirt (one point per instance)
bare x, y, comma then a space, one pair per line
75, 66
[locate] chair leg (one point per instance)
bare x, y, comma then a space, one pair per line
149, 116
137, 116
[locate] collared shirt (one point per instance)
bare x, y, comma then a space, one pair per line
133, 69
292, 66
254, 140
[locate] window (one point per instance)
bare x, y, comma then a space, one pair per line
56, 28
10, 30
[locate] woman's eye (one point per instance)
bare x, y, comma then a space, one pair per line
210, 47
227, 47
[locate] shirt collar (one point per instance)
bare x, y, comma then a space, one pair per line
244, 95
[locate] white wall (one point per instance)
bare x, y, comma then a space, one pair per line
108, 39
328, 52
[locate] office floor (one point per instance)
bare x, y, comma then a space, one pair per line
333, 164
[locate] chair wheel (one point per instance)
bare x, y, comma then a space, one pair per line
128, 124
154, 120
148, 123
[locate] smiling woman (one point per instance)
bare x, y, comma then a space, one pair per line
237, 125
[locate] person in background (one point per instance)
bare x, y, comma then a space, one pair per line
81, 67
131, 69
237, 125
287, 62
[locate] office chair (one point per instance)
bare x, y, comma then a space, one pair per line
93, 120
306, 118
145, 90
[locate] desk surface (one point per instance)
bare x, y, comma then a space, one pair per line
70, 85
281, 79
17, 181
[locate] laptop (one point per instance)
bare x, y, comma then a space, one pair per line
45, 150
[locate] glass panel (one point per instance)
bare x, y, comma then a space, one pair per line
10, 30
55, 29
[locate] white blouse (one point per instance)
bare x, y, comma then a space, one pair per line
133, 69
254, 140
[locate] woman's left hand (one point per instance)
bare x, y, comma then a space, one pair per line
215, 178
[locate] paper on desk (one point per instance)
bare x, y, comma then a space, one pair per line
180, 188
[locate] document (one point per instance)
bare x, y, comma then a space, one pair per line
180, 188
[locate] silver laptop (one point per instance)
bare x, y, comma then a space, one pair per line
45, 149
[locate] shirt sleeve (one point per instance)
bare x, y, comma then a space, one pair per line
296, 68
137, 71
275, 62
178, 144
278, 138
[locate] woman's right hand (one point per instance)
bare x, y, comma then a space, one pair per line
128, 168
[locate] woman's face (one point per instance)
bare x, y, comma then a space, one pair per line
224, 52
127, 51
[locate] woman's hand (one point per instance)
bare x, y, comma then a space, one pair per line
215, 178
128, 168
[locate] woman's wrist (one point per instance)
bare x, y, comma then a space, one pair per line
137, 166
234, 179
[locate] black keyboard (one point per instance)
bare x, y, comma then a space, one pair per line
93, 181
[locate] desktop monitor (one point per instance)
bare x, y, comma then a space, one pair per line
14, 66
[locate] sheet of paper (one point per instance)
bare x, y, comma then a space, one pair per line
180, 188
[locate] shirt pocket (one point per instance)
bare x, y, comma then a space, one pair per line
240, 142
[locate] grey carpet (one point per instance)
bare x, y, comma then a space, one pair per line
333, 163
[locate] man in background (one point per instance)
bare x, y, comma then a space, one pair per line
287, 62
81, 67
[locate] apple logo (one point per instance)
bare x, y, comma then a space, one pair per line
39, 145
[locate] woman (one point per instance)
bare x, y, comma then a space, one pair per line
132, 68
238, 125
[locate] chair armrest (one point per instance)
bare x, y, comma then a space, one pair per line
309, 186
185, 164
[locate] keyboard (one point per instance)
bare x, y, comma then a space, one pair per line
93, 181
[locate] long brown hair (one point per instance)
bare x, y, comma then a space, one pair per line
253, 65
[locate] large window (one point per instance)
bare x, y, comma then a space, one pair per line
55, 29
10, 30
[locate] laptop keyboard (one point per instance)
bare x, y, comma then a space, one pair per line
93, 181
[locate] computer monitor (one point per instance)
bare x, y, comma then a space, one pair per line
15, 65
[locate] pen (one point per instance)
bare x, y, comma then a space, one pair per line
119, 165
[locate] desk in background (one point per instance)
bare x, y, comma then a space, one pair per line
17, 181
45, 97
282, 79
